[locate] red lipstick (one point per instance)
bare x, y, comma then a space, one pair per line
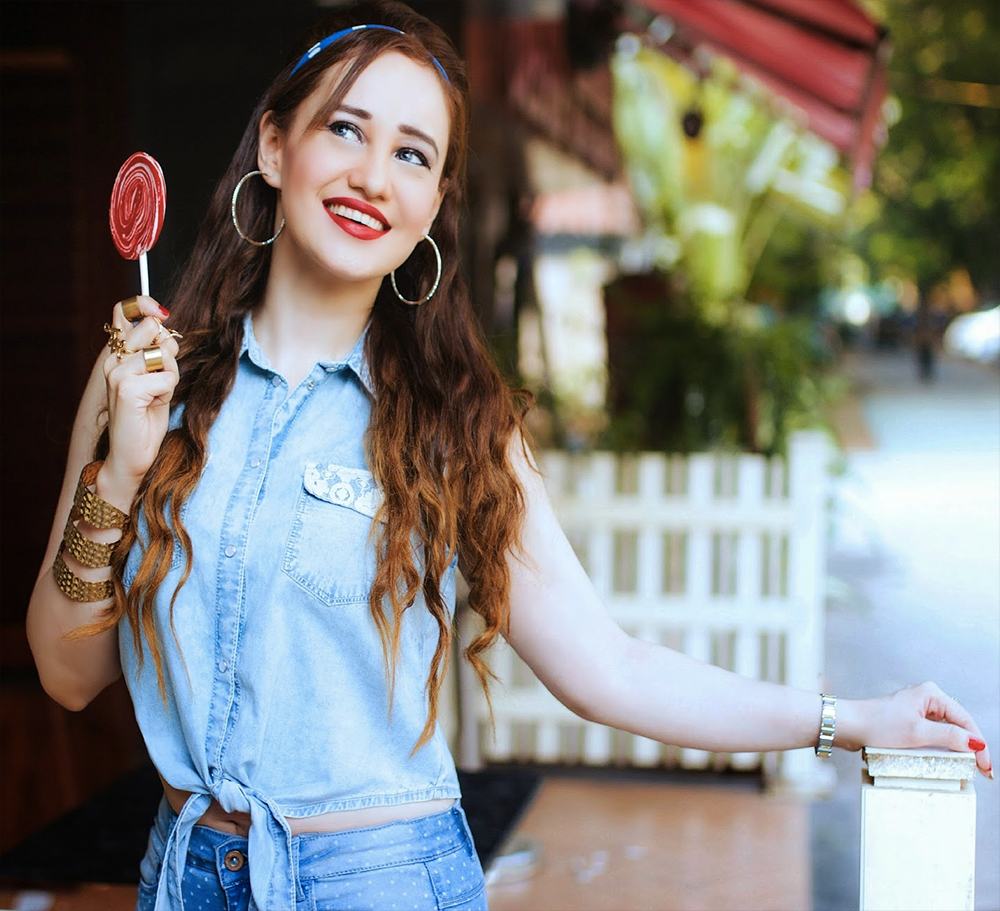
356, 228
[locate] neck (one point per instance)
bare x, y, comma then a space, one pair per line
300, 322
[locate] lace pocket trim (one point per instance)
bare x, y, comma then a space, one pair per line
354, 488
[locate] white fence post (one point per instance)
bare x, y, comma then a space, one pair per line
918, 831
719, 555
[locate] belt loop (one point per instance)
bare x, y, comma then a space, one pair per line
470, 844
300, 894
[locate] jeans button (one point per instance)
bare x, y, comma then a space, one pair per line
234, 860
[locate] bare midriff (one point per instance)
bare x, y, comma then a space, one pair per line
215, 817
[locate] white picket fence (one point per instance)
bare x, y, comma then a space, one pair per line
721, 556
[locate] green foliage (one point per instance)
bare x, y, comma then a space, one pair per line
801, 259
747, 206
934, 206
718, 195
682, 383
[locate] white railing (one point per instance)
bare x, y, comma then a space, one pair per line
721, 556
918, 831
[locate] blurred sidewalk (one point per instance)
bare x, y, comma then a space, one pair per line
893, 411
914, 578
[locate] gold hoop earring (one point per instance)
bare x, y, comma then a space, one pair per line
236, 224
437, 281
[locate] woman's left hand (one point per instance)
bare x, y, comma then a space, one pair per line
918, 716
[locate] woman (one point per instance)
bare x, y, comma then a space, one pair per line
290, 465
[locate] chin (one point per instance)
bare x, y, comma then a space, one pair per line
340, 273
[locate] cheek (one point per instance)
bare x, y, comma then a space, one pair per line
299, 172
420, 204
306, 164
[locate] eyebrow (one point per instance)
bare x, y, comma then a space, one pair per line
405, 128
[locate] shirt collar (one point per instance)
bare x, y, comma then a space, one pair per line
355, 360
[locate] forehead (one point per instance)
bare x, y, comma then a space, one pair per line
394, 89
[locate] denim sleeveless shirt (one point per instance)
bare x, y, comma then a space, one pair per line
277, 699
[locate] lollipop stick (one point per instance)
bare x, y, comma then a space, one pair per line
144, 274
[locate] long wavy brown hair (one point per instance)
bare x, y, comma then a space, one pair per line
443, 420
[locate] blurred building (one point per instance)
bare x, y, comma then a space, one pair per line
553, 216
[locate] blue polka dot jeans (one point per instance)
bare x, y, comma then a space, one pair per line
423, 864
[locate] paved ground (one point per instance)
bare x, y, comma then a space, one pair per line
629, 842
915, 581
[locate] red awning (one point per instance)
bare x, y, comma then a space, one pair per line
826, 57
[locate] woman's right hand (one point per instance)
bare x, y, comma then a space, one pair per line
138, 402
136, 405
914, 717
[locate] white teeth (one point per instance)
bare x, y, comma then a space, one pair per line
360, 217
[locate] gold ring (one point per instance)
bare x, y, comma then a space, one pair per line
153, 358
115, 341
163, 329
130, 308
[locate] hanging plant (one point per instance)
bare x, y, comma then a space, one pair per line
693, 363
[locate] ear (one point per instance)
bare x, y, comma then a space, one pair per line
270, 145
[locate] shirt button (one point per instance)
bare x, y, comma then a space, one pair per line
234, 860
254, 462
230, 551
275, 381
223, 666
311, 385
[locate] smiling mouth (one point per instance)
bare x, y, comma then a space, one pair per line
354, 215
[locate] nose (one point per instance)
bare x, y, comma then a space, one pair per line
370, 174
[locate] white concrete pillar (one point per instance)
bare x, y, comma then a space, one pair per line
918, 831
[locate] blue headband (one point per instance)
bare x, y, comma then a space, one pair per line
336, 36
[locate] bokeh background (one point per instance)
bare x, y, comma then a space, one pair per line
690, 228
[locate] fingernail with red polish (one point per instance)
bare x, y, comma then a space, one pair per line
164, 310
975, 744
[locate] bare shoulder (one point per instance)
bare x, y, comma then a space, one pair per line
525, 465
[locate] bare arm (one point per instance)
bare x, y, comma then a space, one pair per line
562, 630
74, 671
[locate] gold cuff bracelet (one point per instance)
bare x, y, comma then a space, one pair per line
94, 554
72, 586
90, 507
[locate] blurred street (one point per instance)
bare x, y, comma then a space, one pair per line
914, 580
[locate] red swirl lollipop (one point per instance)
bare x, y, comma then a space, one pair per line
138, 204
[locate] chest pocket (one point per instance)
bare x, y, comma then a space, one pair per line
329, 551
